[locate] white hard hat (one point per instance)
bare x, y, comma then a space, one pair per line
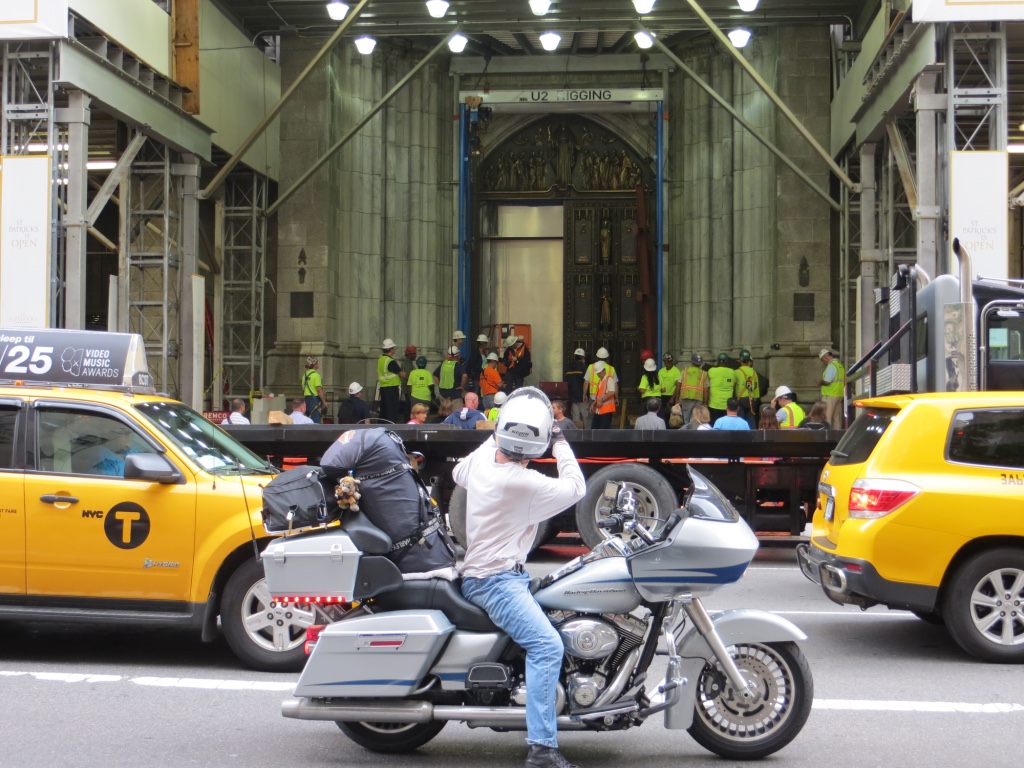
355, 388
459, 335
602, 354
387, 344
453, 351
482, 339
579, 352
783, 391
524, 424
500, 398
512, 339
650, 365
823, 353
492, 356
599, 366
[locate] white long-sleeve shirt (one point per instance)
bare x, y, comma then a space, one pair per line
506, 501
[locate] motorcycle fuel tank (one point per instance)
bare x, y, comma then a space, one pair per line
603, 586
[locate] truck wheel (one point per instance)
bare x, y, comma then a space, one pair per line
263, 633
984, 607
457, 521
655, 496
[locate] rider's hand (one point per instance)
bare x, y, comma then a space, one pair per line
557, 435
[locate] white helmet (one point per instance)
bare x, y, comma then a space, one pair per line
492, 356
458, 335
387, 344
481, 339
602, 354
500, 398
524, 424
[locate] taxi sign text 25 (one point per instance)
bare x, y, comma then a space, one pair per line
22, 358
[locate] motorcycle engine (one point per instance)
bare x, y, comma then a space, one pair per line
588, 638
595, 647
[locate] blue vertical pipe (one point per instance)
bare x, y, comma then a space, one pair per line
464, 197
659, 250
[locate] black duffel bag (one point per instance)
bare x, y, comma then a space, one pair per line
298, 499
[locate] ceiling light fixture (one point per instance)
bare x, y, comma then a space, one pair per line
337, 10
457, 42
437, 8
365, 45
643, 39
748, 6
643, 6
540, 7
550, 40
739, 37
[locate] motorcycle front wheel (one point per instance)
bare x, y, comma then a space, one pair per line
726, 725
391, 738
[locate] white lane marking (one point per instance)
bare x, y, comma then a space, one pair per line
957, 707
160, 682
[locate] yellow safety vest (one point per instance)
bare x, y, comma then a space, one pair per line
447, 377
722, 385
694, 383
795, 416
384, 376
746, 383
649, 388
835, 389
593, 380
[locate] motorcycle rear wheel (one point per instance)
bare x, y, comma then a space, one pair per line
391, 738
782, 676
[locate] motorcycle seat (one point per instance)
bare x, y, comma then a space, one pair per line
440, 594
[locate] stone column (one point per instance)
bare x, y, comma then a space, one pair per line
77, 116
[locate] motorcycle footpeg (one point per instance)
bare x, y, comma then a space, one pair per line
489, 675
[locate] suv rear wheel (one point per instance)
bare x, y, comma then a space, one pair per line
984, 608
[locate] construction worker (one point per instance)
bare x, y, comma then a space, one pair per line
748, 389
721, 386
603, 406
499, 400
649, 386
450, 376
693, 387
475, 366
490, 381
421, 384
389, 380
833, 388
787, 409
313, 390
574, 381
668, 381
590, 381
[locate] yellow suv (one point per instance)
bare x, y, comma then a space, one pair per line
920, 508
120, 506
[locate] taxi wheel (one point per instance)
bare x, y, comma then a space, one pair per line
265, 634
984, 607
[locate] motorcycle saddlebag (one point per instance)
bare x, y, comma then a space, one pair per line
296, 499
384, 655
315, 564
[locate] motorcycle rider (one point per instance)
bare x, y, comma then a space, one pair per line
505, 503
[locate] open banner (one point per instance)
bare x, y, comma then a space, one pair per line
33, 19
25, 241
978, 184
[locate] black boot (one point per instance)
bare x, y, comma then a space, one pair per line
546, 757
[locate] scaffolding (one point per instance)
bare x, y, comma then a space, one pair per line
243, 277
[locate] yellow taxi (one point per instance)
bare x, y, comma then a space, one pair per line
921, 507
121, 506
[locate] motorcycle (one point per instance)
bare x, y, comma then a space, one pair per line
408, 657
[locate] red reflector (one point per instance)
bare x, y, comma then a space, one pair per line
854, 568
386, 643
312, 635
318, 599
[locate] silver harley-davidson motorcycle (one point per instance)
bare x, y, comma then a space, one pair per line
407, 657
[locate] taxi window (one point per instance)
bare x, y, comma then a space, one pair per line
862, 436
991, 437
8, 421
85, 443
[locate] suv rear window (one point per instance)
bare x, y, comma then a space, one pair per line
991, 437
862, 436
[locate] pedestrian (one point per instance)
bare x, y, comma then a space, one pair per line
237, 415
421, 384
693, 386
475, 366
505, 502
418, 413
675, 417
299, 411
389, 379
833, 388
748, 388
590, 381
468, 415
574, 383
700, 418
787, 410
354, 410
457, 338
445, 408
518, 362
603, 405
816, 417
668, 381
450, 376
408, 366
562, 421
721, 386
651, 419
493, 411
732, 419
490, 380
313, 390
769, 420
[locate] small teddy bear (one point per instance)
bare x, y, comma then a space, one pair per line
347, 493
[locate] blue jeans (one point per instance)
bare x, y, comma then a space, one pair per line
506, 598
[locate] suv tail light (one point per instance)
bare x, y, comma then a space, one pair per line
312, 635
877, 498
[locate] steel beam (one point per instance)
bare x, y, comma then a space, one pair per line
275, 110
773, 96
357, 127
869, 253
189, 171
113, 180
746, 124
77, 117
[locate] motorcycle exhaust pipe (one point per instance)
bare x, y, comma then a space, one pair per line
374, 710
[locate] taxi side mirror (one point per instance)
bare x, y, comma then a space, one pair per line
151, 466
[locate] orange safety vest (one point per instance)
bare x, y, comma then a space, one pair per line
609, 405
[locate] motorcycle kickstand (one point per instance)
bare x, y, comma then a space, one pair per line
702, 621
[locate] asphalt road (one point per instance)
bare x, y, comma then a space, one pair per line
890, 690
